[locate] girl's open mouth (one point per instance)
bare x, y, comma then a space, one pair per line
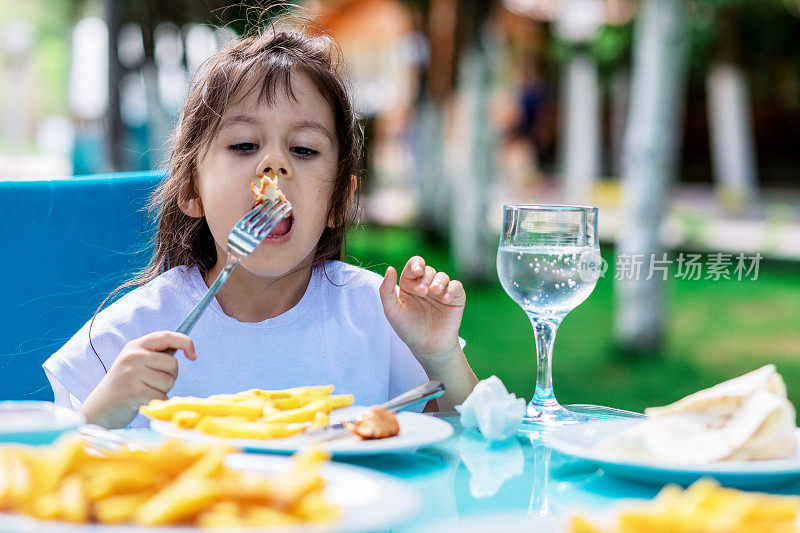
282, 229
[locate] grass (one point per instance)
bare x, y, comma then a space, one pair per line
716, 330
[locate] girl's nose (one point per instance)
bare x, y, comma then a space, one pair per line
275, 164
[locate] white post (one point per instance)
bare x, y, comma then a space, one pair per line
18, 84
581, 129
577, 23
731, 135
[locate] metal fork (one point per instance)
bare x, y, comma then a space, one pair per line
243, 239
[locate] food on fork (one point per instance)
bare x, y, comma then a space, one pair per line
252, 414
703, 507
745, 418
267, 190
377, 423
169, 484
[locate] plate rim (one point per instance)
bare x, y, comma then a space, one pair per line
284, 446
787, 467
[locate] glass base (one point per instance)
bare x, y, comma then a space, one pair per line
553, 415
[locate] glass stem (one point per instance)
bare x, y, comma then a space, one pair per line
544, 331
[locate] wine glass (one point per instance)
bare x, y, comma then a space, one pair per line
549, 262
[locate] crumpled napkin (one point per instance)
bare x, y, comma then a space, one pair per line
492, 409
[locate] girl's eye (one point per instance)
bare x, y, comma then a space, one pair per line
243, 148
302, 151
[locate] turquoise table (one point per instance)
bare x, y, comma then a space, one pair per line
468, 484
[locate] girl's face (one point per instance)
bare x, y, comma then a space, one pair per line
297, 139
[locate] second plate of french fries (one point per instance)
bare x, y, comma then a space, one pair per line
276, 421
73, 485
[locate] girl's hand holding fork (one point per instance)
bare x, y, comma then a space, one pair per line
145, 370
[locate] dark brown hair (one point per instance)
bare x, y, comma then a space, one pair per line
261, 62
273, 54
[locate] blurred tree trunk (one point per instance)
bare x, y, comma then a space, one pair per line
652, 139
620, 82
113, 16
473, 241
434, 187
729, 125
158, 121
437, 22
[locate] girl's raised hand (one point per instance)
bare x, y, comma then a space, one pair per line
426, 310
144, 370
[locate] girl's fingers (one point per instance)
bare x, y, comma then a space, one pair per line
387, 288
161, 341
161, 381
439, 283
155, 393
455, 293
421, 287
162, 362
414, 269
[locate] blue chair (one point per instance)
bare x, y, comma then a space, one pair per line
66, 244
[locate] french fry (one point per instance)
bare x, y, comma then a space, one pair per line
315, 508
315, 390
295, 402
120, 508
118, 477
301, 414
74, 504
186, 419
15, 482
165, 409
242, 429
310, 458
321, 419
264, 516
216, 520
178, 502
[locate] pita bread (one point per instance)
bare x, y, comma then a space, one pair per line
745, 418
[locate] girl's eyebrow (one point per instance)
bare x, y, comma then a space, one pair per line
238, 119
315, 126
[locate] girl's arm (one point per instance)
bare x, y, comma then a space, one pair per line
426, 312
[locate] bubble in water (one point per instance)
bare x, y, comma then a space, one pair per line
530, 265
519, 257
571, 283
536, 270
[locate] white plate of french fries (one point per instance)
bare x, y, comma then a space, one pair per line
581, 441
416, 430
177, 486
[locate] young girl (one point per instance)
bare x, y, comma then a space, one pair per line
291, 314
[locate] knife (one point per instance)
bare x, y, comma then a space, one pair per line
426, 391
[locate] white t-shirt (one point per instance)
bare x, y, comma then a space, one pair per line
337, 334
